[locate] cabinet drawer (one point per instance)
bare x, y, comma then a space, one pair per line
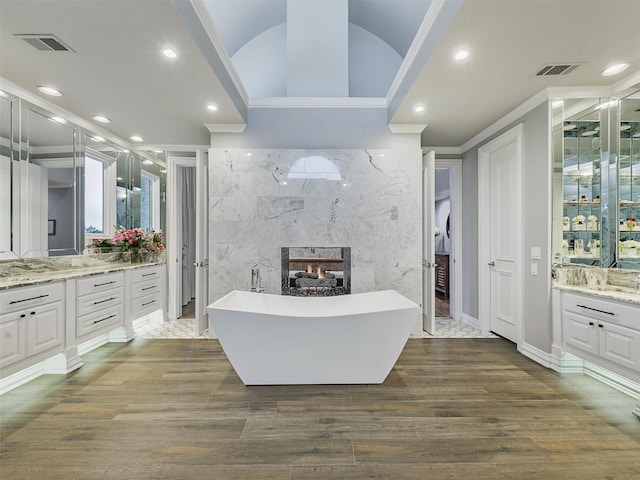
607, 310
99, 283
145, 274
143, 289
99, 301
12, 343
93, 321
146, 304
26, 297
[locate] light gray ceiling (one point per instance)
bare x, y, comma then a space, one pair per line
116, 69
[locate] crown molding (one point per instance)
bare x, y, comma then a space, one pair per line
442, 150
226, 127
318, 102
407, 128
508, 119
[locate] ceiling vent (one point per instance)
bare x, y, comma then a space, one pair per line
556, 69
45, 42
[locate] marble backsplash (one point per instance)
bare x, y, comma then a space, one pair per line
262, 199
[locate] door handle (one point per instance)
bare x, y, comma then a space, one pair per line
492, 264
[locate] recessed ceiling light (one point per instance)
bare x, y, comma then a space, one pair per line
147, 162
613, 69
461, 55
2, 94
164, 170
136, 138
57, 119
249, 154
419, 108
169, 53
101, 119
97, 138
212, 107
557, 103
157, 151
50, 91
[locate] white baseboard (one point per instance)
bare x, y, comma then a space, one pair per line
537, 355
92, 344
21, 377
469, 320
612, 379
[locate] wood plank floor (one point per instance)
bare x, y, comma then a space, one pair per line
450, 409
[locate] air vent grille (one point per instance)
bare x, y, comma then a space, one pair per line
45, 42
556, 69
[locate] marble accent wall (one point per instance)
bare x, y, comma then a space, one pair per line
263, 199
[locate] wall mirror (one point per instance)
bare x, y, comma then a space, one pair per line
7, 247
48, 185
62, 186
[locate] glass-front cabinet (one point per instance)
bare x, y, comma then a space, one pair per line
629, 183
596, 181
581, 212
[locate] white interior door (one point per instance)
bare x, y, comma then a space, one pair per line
502, 159
428, 244
202, 242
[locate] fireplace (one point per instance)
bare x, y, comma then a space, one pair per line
316, 271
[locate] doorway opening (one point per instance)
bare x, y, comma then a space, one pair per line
443, 244
448, 241
187, 241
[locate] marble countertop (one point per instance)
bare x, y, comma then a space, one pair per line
57, 275
610, 292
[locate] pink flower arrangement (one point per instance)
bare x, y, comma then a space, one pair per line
136, 239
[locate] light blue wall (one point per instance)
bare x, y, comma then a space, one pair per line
316, 128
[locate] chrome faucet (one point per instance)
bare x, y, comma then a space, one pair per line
256, 281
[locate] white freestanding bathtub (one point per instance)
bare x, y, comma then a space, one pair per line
281, 340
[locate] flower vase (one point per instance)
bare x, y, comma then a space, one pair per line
135, 256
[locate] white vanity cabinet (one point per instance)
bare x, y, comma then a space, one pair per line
147, 286
31, 326
604, 332
99, 303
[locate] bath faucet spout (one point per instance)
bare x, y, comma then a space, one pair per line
256, 281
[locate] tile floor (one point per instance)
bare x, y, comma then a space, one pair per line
153, 326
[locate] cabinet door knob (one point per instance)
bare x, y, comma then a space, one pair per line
492, 264
600, 325
23, 315
33, 313
591, 323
